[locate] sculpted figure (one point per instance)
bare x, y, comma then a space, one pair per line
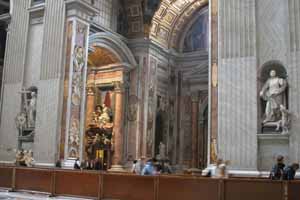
28, 158
284, 122
162, 150
273, 93
104, 117
32, 110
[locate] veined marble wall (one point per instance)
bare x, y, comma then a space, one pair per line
12, 83
237, 90
34, 58
252, 33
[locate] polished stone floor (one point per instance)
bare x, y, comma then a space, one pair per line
4, 195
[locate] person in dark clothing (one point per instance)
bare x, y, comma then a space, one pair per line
277, 169
290, 171
58, 164
98, 164
77, 164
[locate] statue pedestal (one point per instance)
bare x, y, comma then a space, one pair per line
269, 147
117, 168
69, 164
195, 171
270, 128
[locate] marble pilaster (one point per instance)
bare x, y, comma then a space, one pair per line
118, 128
195, 115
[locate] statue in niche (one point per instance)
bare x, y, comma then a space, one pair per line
273, 92
25, 120
104, 118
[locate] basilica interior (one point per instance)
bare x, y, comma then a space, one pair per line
191, 83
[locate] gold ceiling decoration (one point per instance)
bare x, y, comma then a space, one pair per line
170, 19
101, 57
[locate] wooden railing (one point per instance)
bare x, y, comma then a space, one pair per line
102, 185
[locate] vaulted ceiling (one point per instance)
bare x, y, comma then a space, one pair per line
170, 19
101, 57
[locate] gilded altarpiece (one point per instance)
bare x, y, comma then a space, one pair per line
75, 79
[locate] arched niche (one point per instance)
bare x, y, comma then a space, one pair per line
263, 76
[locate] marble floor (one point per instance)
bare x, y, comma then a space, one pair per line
5, 195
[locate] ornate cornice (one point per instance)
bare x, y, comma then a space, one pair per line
80, 9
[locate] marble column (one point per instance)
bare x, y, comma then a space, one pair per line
90, 98
90, 105
195, 115
118, 128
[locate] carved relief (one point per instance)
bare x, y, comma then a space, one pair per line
133, 105
78, 69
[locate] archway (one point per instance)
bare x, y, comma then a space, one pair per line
182, 27
109, 64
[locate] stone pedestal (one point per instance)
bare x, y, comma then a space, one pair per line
269, 147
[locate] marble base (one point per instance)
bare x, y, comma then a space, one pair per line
195, 171
117, 168
68, 164
269, 147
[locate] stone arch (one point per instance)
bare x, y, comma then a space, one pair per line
268, 66
114, 45
171, 18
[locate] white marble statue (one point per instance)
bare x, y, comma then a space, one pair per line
104, 117
162, 150
273, 93
31, 112
284, 122
28, 158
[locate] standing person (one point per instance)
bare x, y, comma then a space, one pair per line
290, 171
277, 169
139, 166
134, 169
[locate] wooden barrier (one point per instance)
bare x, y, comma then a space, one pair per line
102, 185
128, 187
237, 189
294, 190
6, 177
33, 179
179, 188
77, 183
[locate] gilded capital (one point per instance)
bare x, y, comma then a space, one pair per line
90, 91
119, 87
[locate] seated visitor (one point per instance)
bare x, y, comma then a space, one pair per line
139, 166
58, 164
149, 168
77, 164
277, 169
166, 167
289, 172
